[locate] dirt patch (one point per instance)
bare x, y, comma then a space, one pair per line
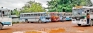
58, 27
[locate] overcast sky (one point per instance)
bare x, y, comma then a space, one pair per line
12, 4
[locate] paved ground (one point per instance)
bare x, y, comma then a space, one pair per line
68, 26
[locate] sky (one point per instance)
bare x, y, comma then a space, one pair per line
12, 4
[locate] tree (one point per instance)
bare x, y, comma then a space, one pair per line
66, 5
15, 12
33, 6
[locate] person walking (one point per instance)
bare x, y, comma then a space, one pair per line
88, 18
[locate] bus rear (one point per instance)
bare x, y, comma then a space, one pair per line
54, 16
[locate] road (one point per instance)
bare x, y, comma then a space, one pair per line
68, 26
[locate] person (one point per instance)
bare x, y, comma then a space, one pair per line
88, 17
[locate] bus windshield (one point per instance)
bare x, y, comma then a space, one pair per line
78, 12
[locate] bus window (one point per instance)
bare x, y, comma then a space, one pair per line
0, 10
35, 14
78, 13
24, 15
28, 14
41, 14
38, 14
31, 14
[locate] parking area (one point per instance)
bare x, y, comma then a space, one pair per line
68, 26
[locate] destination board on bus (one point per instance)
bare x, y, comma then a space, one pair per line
78, 7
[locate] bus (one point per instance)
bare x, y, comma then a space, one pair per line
34, 17
79, 15
5, 18
68, 16
57, 16
54, 16
61, 16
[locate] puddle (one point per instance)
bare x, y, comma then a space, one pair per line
19, 32
34, 31
59, 30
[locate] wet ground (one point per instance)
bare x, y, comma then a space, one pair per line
67, 27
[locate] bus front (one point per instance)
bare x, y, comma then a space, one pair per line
79, 16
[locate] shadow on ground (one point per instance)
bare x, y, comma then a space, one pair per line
6, 29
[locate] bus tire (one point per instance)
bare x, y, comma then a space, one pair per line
32, 22
1, 26
45, 22
79, 24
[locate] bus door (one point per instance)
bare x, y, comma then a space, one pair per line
26, 20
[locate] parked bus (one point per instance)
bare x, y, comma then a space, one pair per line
5, 18
34, 17
68, 16
54, 16
57, 16
61, 16
80, 13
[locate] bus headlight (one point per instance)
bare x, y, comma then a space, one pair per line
83, 20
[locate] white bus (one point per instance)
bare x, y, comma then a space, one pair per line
79, 15
34, 17
68, 15
5, 18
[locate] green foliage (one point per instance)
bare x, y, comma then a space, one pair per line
32, 6
15, 12
66, 5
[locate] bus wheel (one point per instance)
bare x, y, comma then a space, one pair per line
45, 22
79, 24
1, 26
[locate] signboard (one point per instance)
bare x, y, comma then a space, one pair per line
78, 7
